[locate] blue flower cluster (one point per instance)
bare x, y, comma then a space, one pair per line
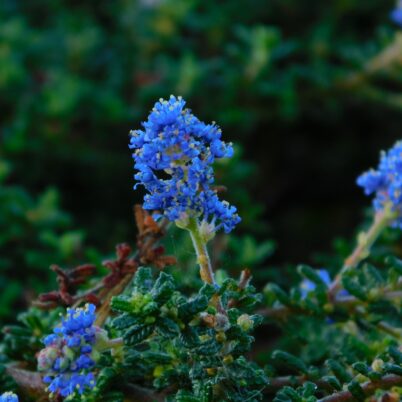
68, 357
386, 182
396, 14
174, 154
8, 397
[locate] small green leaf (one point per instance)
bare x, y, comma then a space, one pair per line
357, 391
290, 361
333, 382
339, 371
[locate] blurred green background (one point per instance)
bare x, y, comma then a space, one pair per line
309, 91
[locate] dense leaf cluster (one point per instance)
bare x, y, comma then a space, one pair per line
185, 343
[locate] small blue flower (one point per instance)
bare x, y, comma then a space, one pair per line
68, 384
396, 14
8, 397
386, 182
308, 286
67, 359
173, 155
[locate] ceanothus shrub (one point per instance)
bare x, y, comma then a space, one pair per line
138, 334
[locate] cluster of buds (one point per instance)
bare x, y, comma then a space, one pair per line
71, 352
174, 155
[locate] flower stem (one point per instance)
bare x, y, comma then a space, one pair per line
200, 245
104, 311
369, 388
206, 271
365, 241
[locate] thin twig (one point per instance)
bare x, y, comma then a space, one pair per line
391, 55
30, 382
282, 312
365, 241
369, 388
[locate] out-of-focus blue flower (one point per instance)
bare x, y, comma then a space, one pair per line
68, 357
8, 397
174, 154
386, 182
308, 286
396, 14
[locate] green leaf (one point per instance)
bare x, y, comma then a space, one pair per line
393, 369
210, 347
309, 389
362, 368
279, 293
163, 288
333, 382
339, 370
156, 357
185, 396
357, 391
125, 320
137, 334
354, 288
288, 394
207, 290
394, 262
166, 327
188, 310
143, 280
290, 361
121, 303
395, 354
311, 274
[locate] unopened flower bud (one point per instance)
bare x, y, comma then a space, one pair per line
158, 371
207, 230
221, 322
46, 358
245, 322
377, 365
208, 319
183, 221
220, 337
228, 359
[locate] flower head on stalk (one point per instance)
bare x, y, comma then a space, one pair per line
174, 154
396, 14
386, 183
8, 397
70, 353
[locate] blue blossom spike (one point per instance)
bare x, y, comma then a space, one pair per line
386, 182
174, 154
8, 397
69, 356
396, 14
